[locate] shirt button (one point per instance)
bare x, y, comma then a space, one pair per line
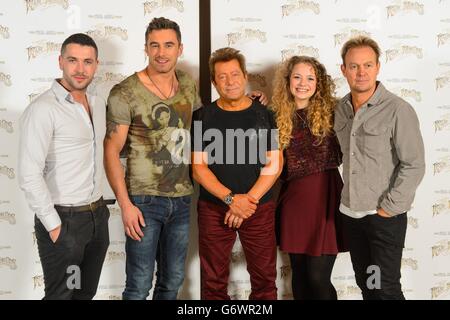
351, 117
353, 154
353, 134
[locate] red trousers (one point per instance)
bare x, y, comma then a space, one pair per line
216, 240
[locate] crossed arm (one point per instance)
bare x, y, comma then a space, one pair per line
243, 205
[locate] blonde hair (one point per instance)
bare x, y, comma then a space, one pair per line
358, 42
320, 112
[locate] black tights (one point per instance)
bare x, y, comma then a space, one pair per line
311, 277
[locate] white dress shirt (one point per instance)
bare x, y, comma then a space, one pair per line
61, 153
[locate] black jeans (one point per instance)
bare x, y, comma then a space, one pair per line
377, 242
81, 246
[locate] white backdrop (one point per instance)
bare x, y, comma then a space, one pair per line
414, 36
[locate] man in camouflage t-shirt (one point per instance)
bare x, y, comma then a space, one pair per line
149, 117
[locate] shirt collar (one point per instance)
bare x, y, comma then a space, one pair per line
63, 95
374, 100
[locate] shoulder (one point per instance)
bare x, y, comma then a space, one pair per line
124, 86
399, 105
183, 76
42, 107
204, 113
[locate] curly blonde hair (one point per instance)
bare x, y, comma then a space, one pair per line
320, 112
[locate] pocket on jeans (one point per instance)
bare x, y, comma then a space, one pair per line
186, 200
142, 200
63, 232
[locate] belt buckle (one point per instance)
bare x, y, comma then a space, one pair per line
91, 206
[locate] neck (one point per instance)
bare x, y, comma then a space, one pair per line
234, 105
359, 98
78, 95
160, 76
301, 104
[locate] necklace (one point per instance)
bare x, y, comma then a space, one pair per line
171, 86
304, 123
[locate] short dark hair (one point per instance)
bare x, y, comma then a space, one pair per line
225, 55
162, 23
81, 39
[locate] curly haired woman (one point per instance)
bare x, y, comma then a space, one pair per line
308, 208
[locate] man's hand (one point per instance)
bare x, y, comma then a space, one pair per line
243, 206
54, 234
232, 220
383, 213
261, 96
132, 221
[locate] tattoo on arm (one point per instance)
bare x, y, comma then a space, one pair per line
111, 127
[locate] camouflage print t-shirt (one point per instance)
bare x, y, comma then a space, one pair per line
157, 145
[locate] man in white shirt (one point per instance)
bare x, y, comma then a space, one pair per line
61, 172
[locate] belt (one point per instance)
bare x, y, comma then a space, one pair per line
88, 207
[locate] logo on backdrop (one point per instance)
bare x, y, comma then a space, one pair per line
33, 5
38, 281
6, 171
442, 124
440, 290
442, 81
405, 7
6, 125
410, 263
347, 292
299, 50
441, 207
443, 38
413, 222
151, 6
441, 248
5, 79
107, 77
8, 217
41, 48
341, 37
114, 256
246, 35
402, 51
299, 6
8, 262
4, 32
442, 165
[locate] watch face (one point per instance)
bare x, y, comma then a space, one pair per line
228, 199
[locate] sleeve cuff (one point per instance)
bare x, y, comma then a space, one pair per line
50, 220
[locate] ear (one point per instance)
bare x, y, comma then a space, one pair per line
378, 67
180, 50
60, 62
343, 69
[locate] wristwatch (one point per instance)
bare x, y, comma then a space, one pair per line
229, 198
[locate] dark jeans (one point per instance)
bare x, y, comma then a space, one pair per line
166, 238
216, 240
377, 241
81, 245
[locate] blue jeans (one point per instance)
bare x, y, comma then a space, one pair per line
165, 241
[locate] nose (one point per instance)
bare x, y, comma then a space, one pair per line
79, 67
360, 71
